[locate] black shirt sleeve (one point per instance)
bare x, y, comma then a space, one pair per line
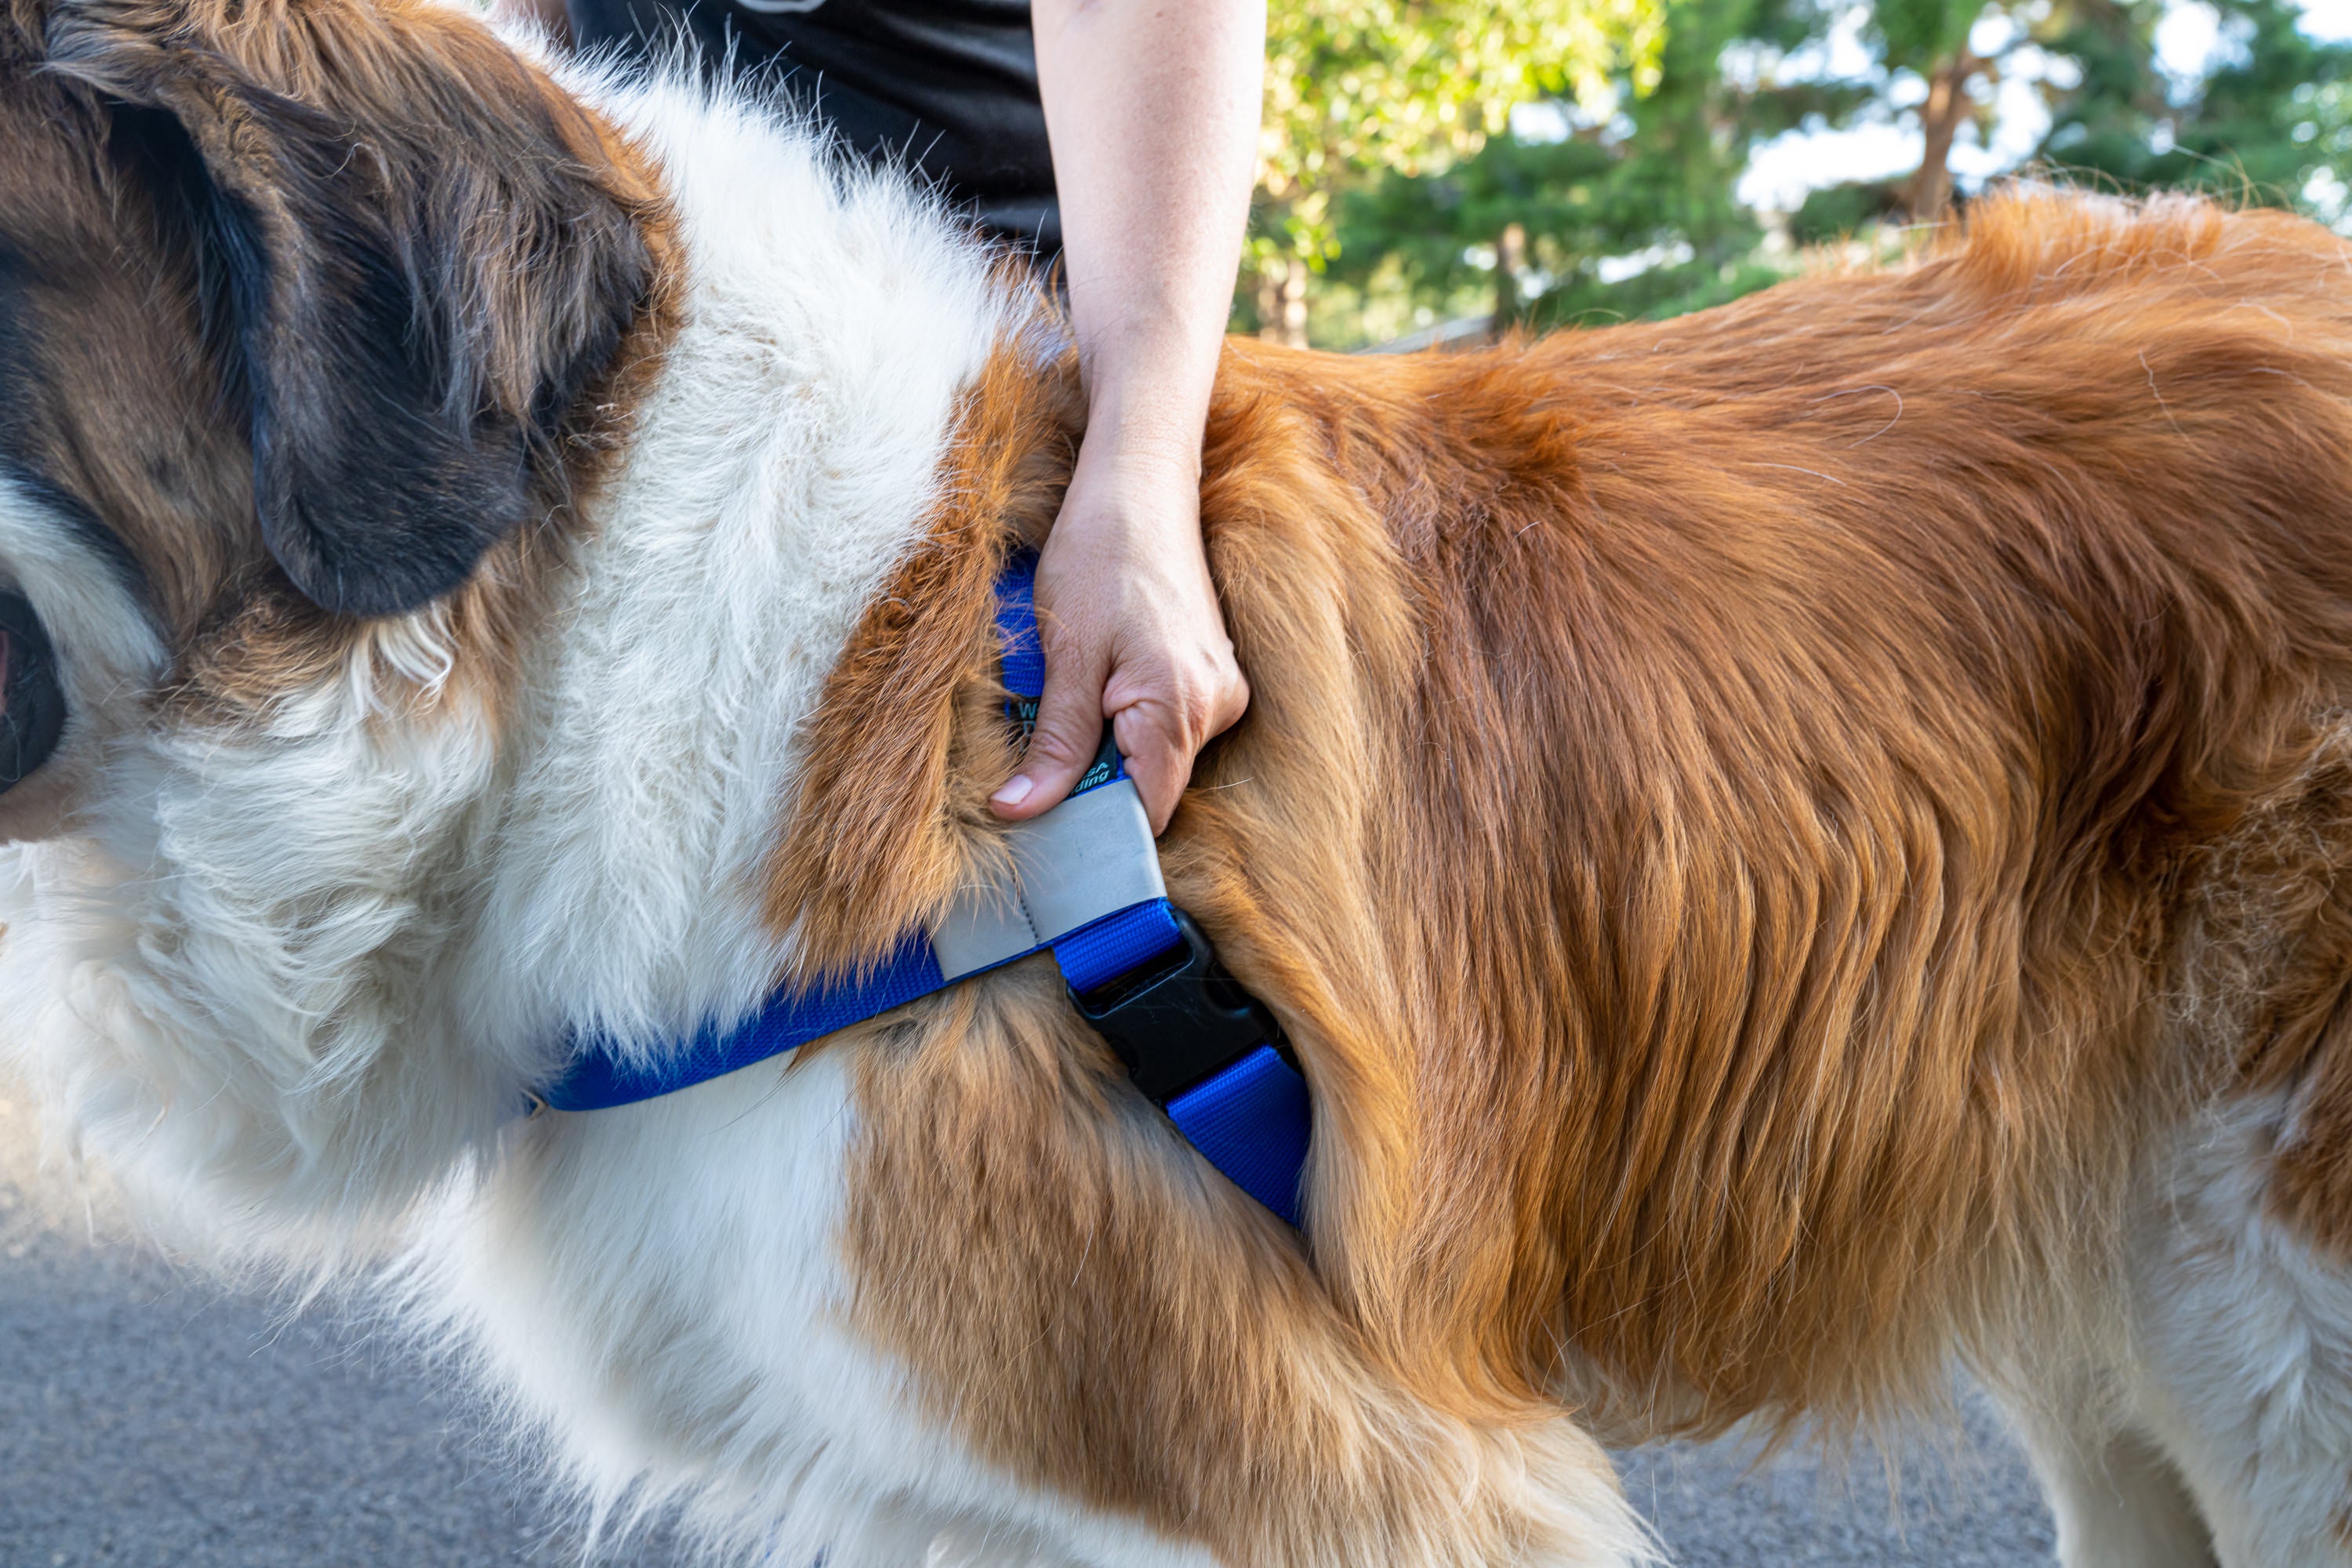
947, 86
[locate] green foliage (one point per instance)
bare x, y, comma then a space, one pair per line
2259, 127
1834, 212
1653, 295
1358, 88
1920, 35
1632, 213
1652, 173
2271, 124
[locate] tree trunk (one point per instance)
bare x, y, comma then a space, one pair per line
1269, 299
1929, 197
1294, 304
1511, 276
1282, 302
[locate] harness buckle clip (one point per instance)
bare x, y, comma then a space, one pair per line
1179, 1018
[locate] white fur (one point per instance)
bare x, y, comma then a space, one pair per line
781, 468
313, 968
2246, 1342
291, 986
692, 1348
2210, 1418
104, 645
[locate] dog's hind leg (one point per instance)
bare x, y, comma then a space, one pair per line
2116, 1499
2244, 1334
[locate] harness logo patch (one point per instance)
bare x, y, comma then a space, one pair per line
1108, 767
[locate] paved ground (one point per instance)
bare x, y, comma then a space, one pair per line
150, 1419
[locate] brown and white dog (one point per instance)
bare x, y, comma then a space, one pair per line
1794, 846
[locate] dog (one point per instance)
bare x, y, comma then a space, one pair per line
1794, 847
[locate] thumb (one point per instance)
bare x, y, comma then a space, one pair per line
1069, 733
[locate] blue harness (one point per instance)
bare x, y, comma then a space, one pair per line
1195, 1043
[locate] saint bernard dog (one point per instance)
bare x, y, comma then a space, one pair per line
1796, 846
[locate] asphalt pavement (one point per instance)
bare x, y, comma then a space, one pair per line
151, 1418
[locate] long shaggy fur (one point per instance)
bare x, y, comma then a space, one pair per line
1793, 845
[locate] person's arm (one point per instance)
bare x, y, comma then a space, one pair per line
1153, 109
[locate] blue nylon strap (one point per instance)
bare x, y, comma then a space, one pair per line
1250, 1119
1016, 627
1096, 955
599, 1079
1024, 666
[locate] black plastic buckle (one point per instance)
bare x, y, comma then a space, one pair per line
1179, 1018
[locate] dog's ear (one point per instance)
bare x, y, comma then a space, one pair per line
424, 252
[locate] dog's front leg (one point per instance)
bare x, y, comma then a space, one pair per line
1095, 1311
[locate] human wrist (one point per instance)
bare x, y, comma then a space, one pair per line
1138, 506
1151, 341
1149, 460
1148, 371
1147, 415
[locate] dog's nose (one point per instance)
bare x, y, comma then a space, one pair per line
32, 702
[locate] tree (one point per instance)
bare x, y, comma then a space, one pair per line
2271, 124
1952, 46
1356, 89
1931, 39
1625, 202
1654, 177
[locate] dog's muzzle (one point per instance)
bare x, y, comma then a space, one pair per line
32, 703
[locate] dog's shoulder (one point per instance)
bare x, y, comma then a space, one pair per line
902, 752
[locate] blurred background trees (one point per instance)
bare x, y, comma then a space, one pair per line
1434, 168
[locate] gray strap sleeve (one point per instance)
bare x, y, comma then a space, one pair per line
1089, 857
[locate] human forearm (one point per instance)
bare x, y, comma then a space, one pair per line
1153, 109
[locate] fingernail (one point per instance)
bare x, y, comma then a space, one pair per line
1016, 790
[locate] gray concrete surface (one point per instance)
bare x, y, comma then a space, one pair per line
149, 1418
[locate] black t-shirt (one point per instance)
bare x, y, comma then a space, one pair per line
948, 86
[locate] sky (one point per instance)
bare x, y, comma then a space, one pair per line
1781, 170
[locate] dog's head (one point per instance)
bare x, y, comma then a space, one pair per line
302, 307
318, 319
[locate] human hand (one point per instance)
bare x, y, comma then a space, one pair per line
1153, 112
1132, 632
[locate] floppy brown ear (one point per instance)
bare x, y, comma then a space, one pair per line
424, 254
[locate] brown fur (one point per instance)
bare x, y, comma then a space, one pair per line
2274, 930
134, 430
1749, 823
144, 435
866, 842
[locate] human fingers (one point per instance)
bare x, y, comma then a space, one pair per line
1069, 732
1162, 718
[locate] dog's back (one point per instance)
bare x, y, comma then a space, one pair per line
1789, 843
1871, 756
1769, 829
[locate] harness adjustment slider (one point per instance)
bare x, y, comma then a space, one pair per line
1176, 1021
